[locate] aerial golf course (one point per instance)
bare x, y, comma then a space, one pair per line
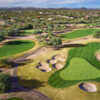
81, 65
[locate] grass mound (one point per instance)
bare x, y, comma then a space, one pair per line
79, 33
88, 53
15, 47
82, 71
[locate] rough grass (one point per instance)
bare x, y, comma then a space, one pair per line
14, 47
87, 53
79, 33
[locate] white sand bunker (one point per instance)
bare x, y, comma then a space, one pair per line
88, 87
57, 61
43, 66
98, 56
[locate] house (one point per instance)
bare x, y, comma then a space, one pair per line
50, 19
41, 12
2, 22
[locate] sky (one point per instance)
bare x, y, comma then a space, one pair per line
51, 3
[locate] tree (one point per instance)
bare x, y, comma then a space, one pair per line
2, 35
97, 34
5, 83
49, 38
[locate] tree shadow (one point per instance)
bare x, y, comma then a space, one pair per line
16, 43
33, 84
28, 85
72, 45
21, 62
10, 63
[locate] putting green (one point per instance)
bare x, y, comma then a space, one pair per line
82, 71
14, 47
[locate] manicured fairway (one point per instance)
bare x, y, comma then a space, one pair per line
65, 78
15, 47
79, 33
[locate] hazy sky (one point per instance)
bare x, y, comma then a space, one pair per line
51, 3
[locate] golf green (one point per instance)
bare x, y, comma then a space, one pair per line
82, 71
14, 47
85, 68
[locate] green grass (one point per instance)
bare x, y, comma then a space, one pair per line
82, 71
86, 52
15, 47
30, 32
15, 98
79, 33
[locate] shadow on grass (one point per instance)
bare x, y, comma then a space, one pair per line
33, 84
10, 63
16, 43
72, 45
18, 85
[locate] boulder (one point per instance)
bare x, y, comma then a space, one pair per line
88, 87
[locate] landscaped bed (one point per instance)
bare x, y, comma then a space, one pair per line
79, 33
14, 47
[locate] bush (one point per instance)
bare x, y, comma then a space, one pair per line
55, 41
6, 63
97, 34
37, 32
5, 83
1, 38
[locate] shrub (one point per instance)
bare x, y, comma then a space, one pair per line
97, 34
5, 83
6, 63
37, 32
